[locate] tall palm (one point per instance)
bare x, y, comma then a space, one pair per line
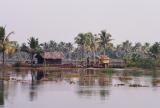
24, 48
80, 39
69, 48
155, 49
146, 47
12, 48
105, 39
127, 46
52, 45
92, 43
137, 47
33, 47
61, 46
4, 41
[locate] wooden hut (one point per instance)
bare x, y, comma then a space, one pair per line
104, 59
53, 57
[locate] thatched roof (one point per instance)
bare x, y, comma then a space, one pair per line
53, 55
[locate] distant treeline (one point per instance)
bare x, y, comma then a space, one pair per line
87, 45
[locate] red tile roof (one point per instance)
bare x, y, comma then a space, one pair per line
53, 55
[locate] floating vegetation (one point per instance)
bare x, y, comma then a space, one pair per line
5, 78
137, 85
117, 85
125, 78
70, 75
72, 82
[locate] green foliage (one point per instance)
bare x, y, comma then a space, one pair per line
24, 48
143, 63
155, 49
105, 38
90, 45
33, 42
2, 33
34, 47
5, 43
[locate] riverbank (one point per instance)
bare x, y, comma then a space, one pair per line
60, 67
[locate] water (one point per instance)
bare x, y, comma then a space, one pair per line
78, 89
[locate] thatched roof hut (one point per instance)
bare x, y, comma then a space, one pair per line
53, 57
50, 57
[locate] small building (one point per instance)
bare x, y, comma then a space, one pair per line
53, 57
104, 59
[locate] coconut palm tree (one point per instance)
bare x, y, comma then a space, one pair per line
155, 49
52, 45
127, 46
92, 43
61, 46
80, 39
69, 48
105, 39
5, 44
137, 47
146, 47
34, 47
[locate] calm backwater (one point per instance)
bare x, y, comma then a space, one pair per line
79, 89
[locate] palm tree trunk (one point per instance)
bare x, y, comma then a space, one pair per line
82, 52
3, 56
31, 59
94, 57
104, 53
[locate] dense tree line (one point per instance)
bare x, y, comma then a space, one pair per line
85, 45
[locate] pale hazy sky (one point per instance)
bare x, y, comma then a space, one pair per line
62, 20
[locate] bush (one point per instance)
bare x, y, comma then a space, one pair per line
143, 63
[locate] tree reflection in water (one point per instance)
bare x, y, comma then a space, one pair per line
89, 81
33, 86
105, 81
155, 75
87, 77
1, 93
38, 76
1, 89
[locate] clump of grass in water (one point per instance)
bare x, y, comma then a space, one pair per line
109, 71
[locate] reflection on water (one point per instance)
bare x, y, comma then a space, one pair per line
1, 93
90, 84
39, 86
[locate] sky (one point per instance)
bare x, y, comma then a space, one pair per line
62, 20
